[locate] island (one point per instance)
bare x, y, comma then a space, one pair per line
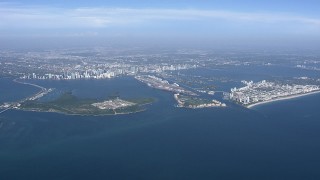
185, 98
158, 83
265, 91
196, 102
69, 104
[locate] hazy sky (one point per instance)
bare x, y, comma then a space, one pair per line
278, 21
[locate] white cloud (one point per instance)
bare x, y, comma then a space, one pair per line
46, 17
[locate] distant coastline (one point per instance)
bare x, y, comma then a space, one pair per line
280, 99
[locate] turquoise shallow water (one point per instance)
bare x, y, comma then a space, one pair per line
273, 141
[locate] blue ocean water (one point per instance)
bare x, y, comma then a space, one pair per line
11, 91
279, 140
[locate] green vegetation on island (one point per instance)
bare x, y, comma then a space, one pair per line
196, 102
72, 105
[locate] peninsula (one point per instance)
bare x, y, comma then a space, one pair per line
264, 92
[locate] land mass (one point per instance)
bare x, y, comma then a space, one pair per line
72, 105
280, 99
158, 83
196, 102
254, 94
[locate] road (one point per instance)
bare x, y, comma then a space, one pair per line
4, 110
43, 89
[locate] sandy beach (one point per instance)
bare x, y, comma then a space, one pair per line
281, 98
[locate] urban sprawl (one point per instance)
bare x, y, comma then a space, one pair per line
153, 70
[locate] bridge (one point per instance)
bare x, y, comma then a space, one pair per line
25, 99
4, 110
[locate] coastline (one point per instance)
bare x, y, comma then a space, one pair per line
281, 98
67, 114
76, 114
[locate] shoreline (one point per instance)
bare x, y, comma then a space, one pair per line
75, 114
281, 98
67, 114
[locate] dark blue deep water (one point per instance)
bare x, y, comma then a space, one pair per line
274, 141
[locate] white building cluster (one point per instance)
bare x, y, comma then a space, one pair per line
265, 91
104, 71
158, 83
113, 104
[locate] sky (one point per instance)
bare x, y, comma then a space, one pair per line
209, 22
